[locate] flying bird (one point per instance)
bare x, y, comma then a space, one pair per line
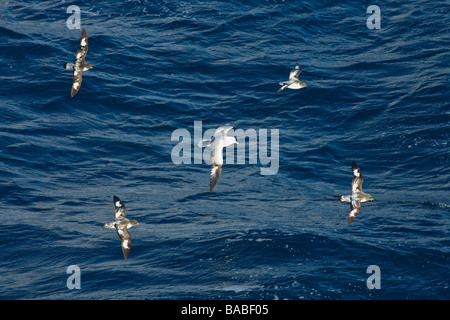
121, 224
293, 82
80, 65
357, 195
219, 141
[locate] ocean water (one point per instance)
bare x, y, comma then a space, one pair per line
379, 97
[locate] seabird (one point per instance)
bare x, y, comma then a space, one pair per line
79, 66
121, 224
217, 143
293, 82
357, 195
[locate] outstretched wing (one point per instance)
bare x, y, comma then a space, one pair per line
214, 177
125, 237
222, 130
84, 41
76, 83
110, 225
119, 208
357, 178
355, 206
79, 62
282, 88
295, 72
206, 142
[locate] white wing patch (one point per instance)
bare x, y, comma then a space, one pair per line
354, 212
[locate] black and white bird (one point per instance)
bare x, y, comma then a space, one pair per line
121, 224
219, 141
293, 82
357, 195
80, 65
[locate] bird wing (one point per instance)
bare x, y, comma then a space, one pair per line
228, 141
79, 61
81, 53
357, 178
119, 208
84, 41
222, 130
125, 237
77, 79
216, 169
110, 225
206, 142
295, 72
282, 88
355, 206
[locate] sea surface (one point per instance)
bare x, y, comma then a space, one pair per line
378, 97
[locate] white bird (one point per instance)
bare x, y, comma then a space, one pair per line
293, 82
217, 143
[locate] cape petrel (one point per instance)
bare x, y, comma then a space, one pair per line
293, 82
357, 195
121, 224
217, 143
80, 65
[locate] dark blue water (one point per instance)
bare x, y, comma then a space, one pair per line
379, 97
